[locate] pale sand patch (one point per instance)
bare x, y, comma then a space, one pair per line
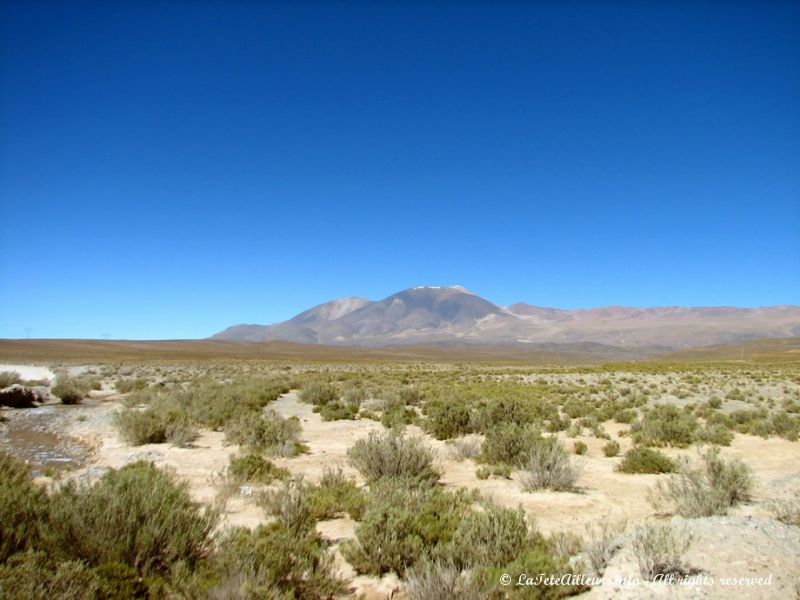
30, 371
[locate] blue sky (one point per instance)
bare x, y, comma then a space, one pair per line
169, 169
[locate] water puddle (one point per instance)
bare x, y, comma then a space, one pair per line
32, 435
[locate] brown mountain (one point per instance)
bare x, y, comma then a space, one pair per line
454, 316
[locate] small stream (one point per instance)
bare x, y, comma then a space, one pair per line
35, 436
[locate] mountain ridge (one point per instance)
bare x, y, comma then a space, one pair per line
452, 315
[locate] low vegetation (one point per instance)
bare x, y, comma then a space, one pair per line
548, 466
710, 489
389, 454
641, 460
660, 550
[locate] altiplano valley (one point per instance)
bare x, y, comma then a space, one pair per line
405, 479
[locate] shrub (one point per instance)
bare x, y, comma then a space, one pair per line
22, 508
392, 455
626, 416
580, 448
163, 421
319, 393
710, 490
507, 443
659, 550
641, 460
335, 411
254, 468
273, 561
398, 416
787, 510
547, 466
485, 472
290, 506
33, 576
267, 432
604, 542
611, 448
502, 410
718, 435
665, 425
492, 536
402, 524
138, 515
440, 580
334, 495
447, 419
8, 378
465, 447
70, 390
125, 386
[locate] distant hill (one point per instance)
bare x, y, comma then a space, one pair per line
451, 316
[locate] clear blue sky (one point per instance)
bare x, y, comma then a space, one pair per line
169, 169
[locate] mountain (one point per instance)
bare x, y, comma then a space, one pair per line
452, 315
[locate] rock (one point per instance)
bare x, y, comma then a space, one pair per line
18, 396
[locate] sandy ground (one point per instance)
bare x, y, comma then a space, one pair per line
30, 372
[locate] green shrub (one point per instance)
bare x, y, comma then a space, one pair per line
718, 435
137, 515
126, 386
319, 393
497, 411
264, 432
290, 506
492, 536
507, 443
665, 425
611, 448
548, 466
70, 390
626, 416
273, 561
642, 460
33, 576
440, 580
335, 411
712, 489
23, 508
402, 524
484, 472
334, 495
254, 468
447, 419
165, 420
398, 416
391, 455
580, 448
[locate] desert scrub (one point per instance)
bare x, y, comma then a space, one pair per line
580, 448
22, 508
264, 432
337, 411
717, 434
660, 550
604, 542
642, 460
611, 449
402, 524
335, 494
548, 466
319, 393
712, 489
493, 535
665, 425
164, 420
485, 471
441, 580
8, 378
274, 561
70, 390
507, 443
289, 505
126, 386
464, 448
254, 468
447, 418
392, 455
787, 510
